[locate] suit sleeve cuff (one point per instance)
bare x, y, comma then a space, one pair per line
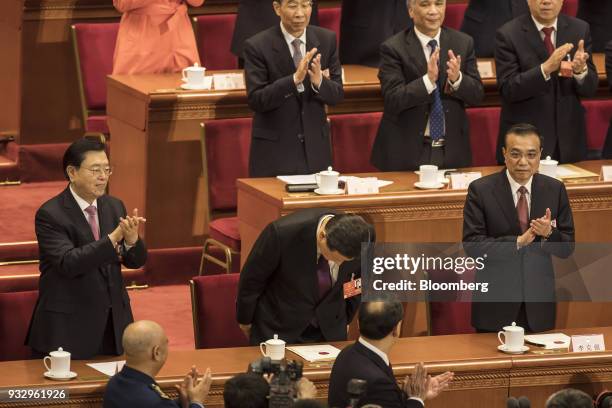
546, 77
457, 83
580, 77
418, 399
428, 84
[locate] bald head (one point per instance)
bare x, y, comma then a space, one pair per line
140, 337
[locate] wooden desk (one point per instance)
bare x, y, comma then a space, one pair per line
401, 213
484, 377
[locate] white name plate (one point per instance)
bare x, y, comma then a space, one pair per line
485, 69
362, 185
587, 343
461, 181
223, 82
606, 173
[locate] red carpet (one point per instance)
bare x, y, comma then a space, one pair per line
170, 306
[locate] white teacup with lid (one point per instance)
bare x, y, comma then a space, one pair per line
514, 338
548, 167
273, 348
59, 364
194, 76
327, 181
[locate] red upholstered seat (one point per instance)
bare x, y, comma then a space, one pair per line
453, 316
214, 38
454, 15
213, 300
352, 139
226, 230
225, 154
598, 115
570, 7
484, 128
94, 46
329, 17
15, 312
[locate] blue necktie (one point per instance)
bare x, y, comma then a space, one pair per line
436, 114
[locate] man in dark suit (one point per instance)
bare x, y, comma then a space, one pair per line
598, 13
529, 54
292, 281
83, 238
254, 16
292, 71
428, 75
367, 359
607, 150
364, 26
516, 219
483, 17
146, 351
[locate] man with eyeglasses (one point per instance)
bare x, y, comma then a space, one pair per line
292, 71
84, 236
516, 220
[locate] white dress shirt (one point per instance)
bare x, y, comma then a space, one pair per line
84, 204
430, 86
514, 186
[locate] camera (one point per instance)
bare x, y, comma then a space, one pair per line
285, 375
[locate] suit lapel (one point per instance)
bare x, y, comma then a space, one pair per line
444, 47
538, 197
533, 38
415, 52
76, 215
563, 34
503, 195
279, 45
105, 217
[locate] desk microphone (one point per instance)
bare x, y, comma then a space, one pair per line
521, 402
604, 400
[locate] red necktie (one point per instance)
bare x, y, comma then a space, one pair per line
92, 213
550, 48
522, 209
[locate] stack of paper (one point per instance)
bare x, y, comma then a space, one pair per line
109, 368
552, 341
322, 352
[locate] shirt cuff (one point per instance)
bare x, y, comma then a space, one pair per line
546, 77
127, 247
314, 88
299, 86
457, 83
580, 77
418, 399
428, 84
197, 403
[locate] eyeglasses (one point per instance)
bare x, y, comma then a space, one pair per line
98, 171
294, 5
514, 155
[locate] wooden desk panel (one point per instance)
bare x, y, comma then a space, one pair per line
401, 213
484, 377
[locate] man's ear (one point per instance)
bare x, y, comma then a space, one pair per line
155, 353
70, 170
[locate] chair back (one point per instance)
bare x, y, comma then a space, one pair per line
16, 310
94, 47
213, 304
454, 15
598, 116
225, 158
352, 139
329, 17
214, 38
484, 128
454, 314
570, 7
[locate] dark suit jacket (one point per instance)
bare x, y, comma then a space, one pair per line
357, 361
553, 106
482, 18
281, 112
278, 289
491, 226
79, 278
365, 25
254, 16
598, 13
607, 150
399, 142
134, 389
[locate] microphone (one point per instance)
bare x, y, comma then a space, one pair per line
521, 402
524, 402
355, 389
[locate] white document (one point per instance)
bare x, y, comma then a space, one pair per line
606, 173
299, 179
485, 69
565, 172
550, 341
228, 81
461, 181
323, 352
110, 368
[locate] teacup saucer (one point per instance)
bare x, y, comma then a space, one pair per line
427, 186
338, 191
189, 87
502, 348
65, 376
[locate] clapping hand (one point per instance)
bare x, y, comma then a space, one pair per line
129, 227
423, 386
302, 68
453, 66
432, 66
580, 59
315, 72
553, 62
542, 226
